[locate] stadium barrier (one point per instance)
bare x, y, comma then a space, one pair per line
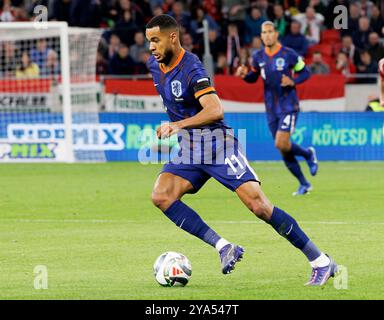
123, 136
319, 93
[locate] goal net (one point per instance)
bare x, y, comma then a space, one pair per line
49, 96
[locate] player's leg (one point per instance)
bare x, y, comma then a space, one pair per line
167, 193
252, 196
287, 124
281, 134
283, 144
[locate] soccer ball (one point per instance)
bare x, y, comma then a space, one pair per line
172, 269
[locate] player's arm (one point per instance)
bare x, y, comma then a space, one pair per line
381, 81
302, 74
212, 111
247, 75
382, 92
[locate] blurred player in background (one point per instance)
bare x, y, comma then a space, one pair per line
381, 81
276, 64
191, 103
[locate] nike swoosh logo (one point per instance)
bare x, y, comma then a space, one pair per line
181, 223
289, 231
238, 177
156, 84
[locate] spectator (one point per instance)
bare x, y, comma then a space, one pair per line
216, 44
158, 11
142, 64
264, 7
367, 66
212, 9
375, 48
377, 23
134, 10
126, 28
27, 69
140, 45
182, 17
244, 58
256, 45
360, 37
311, 23
221, 65
187, 42
345, 66
101, 64
353, 20
281, 20
122, 63
40, 53
365, 7
61, 10
167, 5
296, 40
197, 24
318, 66
349, 48
51, 66
84, 13
233, 45
8, 12
113, 45
253, 23
8, 62
234, 11
145, 10
319, 6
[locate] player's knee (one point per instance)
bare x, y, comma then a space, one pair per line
282, 146
260, 208
162, 200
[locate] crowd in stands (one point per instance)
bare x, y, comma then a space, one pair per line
307, 26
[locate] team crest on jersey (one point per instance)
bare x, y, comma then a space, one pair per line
176, 88
280, 63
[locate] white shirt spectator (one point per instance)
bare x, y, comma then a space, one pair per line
311, 23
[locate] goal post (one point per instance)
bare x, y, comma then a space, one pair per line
48, 92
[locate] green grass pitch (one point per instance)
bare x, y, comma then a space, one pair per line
93, 226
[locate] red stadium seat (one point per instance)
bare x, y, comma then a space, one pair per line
325, 49
330, 36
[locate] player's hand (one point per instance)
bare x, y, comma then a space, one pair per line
242, 71
286, 81
167, 129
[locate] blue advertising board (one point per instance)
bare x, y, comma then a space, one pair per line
352, 136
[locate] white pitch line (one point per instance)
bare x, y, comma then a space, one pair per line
209, 221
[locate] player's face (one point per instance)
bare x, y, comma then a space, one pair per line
269, 35
160, 44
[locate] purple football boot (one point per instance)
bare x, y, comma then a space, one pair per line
320, 275
229, 255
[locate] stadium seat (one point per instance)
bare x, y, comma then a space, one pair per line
325, 49
330, 36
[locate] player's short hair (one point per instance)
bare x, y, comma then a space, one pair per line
164, 22
268, 23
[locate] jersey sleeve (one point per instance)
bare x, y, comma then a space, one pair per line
255, 63
297, 63
199, 80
